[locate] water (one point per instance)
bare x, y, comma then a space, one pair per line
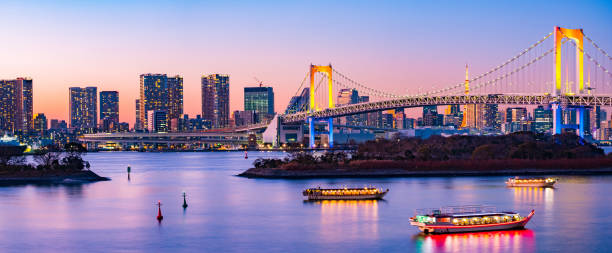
233, 214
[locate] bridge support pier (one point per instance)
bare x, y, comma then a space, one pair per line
312, 132
581, 116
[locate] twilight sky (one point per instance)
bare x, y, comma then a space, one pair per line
392, 45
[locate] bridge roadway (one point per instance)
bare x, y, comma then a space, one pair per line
204, 137
565, 101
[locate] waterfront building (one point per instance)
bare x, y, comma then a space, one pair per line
83, 109
28, 103
157, 121
175, 97
243, 118
388, 119
109, 110
138, 126
153, 96
16, 105
543, 119
490, 118
516, 119
431, 116
123, 127
40, 124
409, 123
400, 119
215, 99
299, 103
347, 97
260, 100
58, 125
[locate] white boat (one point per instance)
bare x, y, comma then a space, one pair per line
531, 182
468, 219
344, 193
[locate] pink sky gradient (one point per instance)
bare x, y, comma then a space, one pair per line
392, 46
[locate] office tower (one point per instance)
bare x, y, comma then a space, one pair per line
153, 95
175, 97
83, 109
109, 110
490, 117
388, 120
157, 121
215, 99
58, 125
347, 97
299, 103
431, 116
138, 126
16, 105
400, 119
543, 119
261, 101
40, 124
243, 118
28, 103
516, 119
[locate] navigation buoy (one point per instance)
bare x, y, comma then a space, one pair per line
246, 155
184, 200
129, 169
160, 217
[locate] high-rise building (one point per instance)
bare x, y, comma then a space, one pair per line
109, 110
175, 97
157, 121
28, 103
516, 119
543, 119
243, 118
83, 109
347, 97
299, 103
260, 100
153, 95
490, 117
138, 126
215, 99
431, 116
16, 105
40, 124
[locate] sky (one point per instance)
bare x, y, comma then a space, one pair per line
397, 46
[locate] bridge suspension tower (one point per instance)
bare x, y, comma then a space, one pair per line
327, 70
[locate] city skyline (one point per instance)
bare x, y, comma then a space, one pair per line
394, 57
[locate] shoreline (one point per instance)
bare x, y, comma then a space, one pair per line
272, 173
51, 177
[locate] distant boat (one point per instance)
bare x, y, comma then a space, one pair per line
467, 219
344, 193
531, 182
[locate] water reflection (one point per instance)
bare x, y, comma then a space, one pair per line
348, 219
499, 241
534, 195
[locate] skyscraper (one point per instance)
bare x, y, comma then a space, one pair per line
16, 105
28, 103
109, 110
347, 97
260, 100
157, 121
83, 109
138, 126
215, 99
40, 124
490, 117
153, 95
543, 119
299, 103
175, 97
516, 119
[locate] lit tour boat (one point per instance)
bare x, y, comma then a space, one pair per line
463, 219
344, 193
531, 182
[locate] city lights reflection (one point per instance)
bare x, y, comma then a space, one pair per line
498, 241
359, 216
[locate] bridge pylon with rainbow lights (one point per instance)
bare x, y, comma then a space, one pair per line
524, 79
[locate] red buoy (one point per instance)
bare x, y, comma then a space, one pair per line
246, 156
159, 214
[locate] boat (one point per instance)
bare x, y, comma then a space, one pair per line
463, 219
531, 182
344, 193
